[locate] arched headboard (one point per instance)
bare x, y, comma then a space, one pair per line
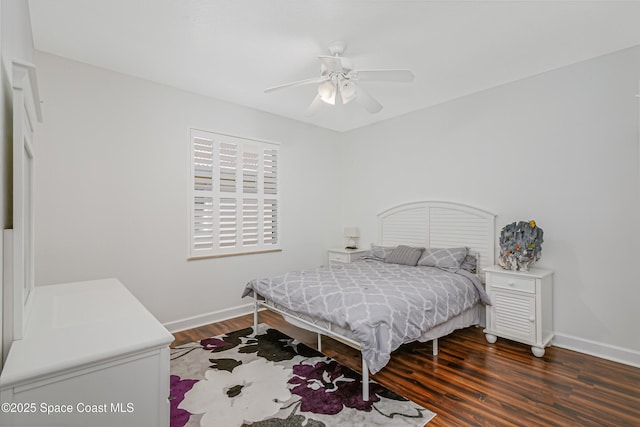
440, 225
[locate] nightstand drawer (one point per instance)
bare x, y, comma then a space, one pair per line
515, 283
338, 257
345, 256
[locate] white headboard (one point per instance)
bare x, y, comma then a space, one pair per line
440, 225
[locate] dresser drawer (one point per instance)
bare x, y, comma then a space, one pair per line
516, 283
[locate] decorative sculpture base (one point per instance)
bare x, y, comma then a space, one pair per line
511, 262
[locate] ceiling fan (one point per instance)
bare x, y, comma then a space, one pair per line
338, 80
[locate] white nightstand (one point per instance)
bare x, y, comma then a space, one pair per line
522, 307
339, 256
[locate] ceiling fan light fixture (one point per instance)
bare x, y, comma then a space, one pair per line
339, 80
327, 92
348, 90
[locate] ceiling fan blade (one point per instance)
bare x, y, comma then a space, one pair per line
382, 75
298, 83
333, 63
367, 101
313, 107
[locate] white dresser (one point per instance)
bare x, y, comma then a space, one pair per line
522, 307
91, 355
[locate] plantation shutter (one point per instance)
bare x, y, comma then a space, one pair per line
234, 195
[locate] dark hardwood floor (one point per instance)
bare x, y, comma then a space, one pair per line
474, 383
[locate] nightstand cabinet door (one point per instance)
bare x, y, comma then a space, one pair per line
514, 315
521, 307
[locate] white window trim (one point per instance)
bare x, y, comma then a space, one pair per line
220, 223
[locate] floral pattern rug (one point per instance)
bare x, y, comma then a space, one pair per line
272, 380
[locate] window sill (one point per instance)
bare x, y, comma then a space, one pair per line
195, 258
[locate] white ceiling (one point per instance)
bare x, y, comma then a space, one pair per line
234, 49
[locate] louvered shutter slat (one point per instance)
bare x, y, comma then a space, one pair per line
203, 223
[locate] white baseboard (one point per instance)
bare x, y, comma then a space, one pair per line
205, 319
598, 349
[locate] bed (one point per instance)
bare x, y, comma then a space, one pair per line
376, 305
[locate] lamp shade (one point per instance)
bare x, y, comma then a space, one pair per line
347, 91
351, 232
327, 92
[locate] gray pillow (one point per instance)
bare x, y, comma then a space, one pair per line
405, 255
443, 257
470, 263
379, 252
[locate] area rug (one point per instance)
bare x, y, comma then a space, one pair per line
272, 380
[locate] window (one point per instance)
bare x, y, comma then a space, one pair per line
234, 195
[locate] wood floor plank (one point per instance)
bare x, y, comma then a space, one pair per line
474, 383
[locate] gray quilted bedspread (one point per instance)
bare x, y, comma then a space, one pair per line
384, 305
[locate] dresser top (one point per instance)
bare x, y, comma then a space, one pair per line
79, 324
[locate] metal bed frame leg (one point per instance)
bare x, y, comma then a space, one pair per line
435, 347
319, 342
255, 313
365, 380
